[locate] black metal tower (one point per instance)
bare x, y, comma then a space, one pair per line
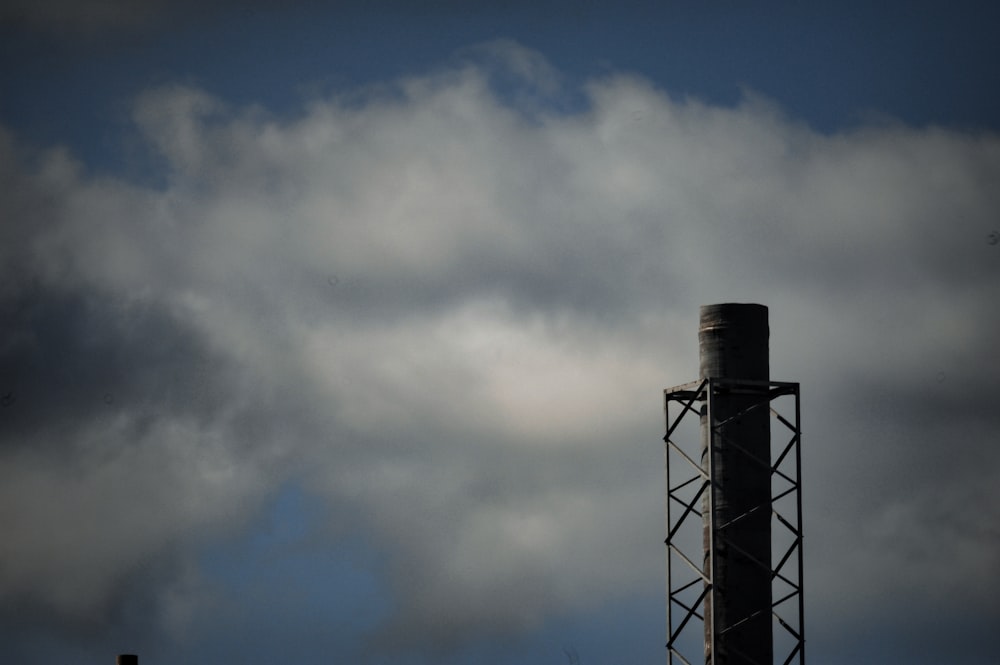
731, 484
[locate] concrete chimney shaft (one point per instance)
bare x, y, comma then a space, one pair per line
733, 341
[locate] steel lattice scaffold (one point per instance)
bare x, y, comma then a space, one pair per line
734, 515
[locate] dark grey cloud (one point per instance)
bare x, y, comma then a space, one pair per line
450, 319
119, 441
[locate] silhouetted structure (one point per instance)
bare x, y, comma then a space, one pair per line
730, 497
127, 659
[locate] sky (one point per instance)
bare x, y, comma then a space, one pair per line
337, 332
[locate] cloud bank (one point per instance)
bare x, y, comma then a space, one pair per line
449, 313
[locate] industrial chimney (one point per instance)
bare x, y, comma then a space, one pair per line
729, 478
733, 340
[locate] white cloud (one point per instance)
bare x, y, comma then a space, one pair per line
454, 320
